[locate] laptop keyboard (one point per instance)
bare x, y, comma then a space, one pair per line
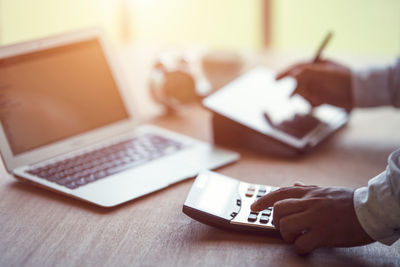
94, 165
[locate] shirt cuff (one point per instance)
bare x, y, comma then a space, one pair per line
371, 88
377, 210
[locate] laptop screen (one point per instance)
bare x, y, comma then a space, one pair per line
47, 96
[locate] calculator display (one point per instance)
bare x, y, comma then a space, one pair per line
215, 196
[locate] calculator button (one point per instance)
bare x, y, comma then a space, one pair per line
233, 214
249, 193
264, 219
260, 194
252, 217
262, 189
266, 212
238, 202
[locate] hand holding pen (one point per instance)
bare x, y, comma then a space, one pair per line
322, 81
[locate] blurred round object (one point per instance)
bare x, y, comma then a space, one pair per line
180, 87
176, 80
174, 86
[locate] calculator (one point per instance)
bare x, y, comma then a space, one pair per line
224, 202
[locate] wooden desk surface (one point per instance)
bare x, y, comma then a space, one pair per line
42, 228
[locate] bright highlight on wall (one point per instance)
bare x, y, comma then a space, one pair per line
361, 26
222, 23
22, 20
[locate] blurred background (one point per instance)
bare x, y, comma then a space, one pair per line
361, 26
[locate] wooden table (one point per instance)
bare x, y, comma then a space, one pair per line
42, 228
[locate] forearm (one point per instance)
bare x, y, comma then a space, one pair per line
377, 87
378, 205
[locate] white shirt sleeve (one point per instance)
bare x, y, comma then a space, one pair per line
378, 205
377, 87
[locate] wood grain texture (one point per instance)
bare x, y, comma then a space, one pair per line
42, 228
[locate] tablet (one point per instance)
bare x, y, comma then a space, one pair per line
257, 101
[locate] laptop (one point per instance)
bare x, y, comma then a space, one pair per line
67, 125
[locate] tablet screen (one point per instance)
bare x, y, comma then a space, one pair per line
298, 125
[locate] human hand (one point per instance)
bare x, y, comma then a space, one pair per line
322, 82
311, 217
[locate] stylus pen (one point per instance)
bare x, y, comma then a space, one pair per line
317, 57
321, 48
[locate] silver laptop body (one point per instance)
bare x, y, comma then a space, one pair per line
64, 105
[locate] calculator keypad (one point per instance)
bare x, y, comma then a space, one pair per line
265, 214
249, 194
